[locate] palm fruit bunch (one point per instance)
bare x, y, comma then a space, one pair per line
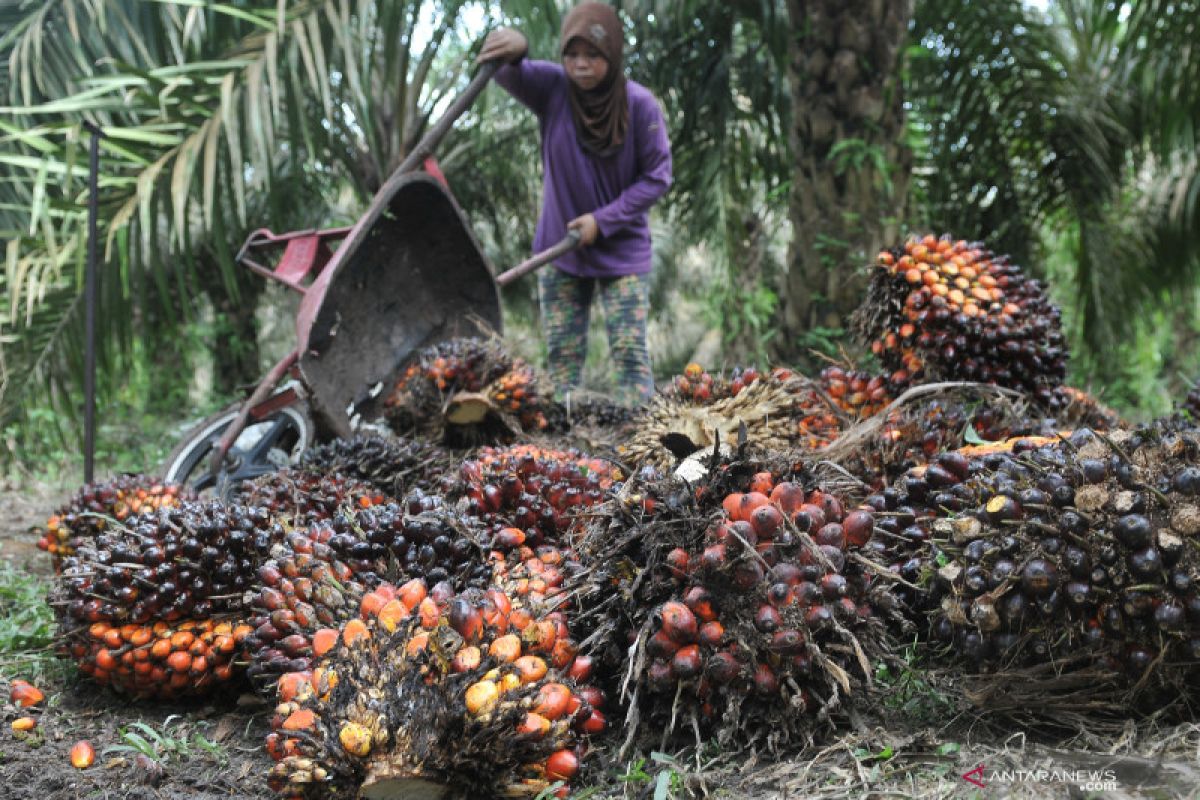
98, 504
1076, 408
528, 495
1191, 404
301, 496
736, 603
392, 465
159, 660
123, 597
429, 692
1069, 553
468, 391
776, 410
697, 385
316, 575
944, 309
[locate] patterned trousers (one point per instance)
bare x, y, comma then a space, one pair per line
566, 305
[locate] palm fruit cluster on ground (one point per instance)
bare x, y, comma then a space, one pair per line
1077, 552
96, 506
940, 309
735, 605
469, 391
428, 687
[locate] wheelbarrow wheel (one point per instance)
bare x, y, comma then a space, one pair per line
275, 442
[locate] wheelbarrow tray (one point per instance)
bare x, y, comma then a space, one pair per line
409, 274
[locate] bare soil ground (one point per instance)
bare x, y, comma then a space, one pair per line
955, 754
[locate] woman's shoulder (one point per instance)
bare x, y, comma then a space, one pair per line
641, 99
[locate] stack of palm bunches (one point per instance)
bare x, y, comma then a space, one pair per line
529, 495
429, 691
392, 465
156, 607
468, 391
939, 309
316, 575
1075, 553
737, 605
774, 410
96, 505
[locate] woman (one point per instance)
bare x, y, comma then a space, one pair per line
606, 160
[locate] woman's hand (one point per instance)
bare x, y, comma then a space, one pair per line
587, 227
506, 45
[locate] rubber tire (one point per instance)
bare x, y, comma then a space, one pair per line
188, 461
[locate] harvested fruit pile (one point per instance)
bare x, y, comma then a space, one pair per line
939, 309
737, 565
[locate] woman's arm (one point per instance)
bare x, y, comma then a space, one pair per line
531, 82
654, 171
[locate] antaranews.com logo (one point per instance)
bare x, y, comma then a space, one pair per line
1085, 780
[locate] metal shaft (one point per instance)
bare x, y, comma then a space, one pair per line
91, 283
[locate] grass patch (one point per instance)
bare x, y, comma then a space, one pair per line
26, 627
177, 740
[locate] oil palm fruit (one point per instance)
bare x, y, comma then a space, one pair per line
1065, 552
529, 495
736, 601
468, 391
95, 506
453, 693
945, 309
300, 496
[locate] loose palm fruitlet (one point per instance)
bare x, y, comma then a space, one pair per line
392, 465
300, 496
316, 576
748, 610
191, 561
96, 504
430, 692
940, 309
527, 495
1073, 553
160, 660
468, 391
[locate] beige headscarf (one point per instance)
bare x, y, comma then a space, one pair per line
602, 114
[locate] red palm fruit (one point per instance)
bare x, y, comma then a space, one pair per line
465, 619
747, 574
723, 667
732, 504
659, 675
594, 723
767, 618
661, 646
765, 682
562, 765
466, 659
323, 641
534, 725
809, 517
787, 573
677, 562
687, 662
581, 669
711, 633
552, 701
592, 696
762, 482
832, 535
83, 755
766, 521
25, 694
678, 622
858, 526
699, 601
749, 502
788, 641
714, 557
290, 684
788, 496
412, 593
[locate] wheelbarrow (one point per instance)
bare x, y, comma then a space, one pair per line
408, 274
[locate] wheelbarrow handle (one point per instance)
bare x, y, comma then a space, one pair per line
568, 243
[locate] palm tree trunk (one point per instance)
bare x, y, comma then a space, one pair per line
851, 163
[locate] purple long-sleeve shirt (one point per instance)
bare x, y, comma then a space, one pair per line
617, 190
